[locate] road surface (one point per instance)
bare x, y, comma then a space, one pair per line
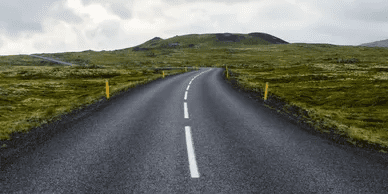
190, 133
52, 60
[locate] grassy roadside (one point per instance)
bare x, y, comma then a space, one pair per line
33, 95
336, 90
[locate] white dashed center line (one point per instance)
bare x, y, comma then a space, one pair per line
190, 152
189, 141
185, 110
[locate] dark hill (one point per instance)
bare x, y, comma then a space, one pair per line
210, 40
381, 43
268, 38
156, 38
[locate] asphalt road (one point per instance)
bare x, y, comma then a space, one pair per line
223, 142
52, 60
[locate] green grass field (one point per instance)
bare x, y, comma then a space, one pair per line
34, 92
341, 87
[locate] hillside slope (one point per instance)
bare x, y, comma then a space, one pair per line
209, 40
381, 43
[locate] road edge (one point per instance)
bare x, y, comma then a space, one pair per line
21, 143
279, 106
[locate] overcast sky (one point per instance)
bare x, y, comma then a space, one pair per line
49, 26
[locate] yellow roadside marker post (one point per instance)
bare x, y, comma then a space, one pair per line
163, 74
227, 73
185, 69
107, 89
266, 91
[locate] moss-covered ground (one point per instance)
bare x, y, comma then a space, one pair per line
343, 88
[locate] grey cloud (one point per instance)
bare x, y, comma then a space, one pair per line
90, 34
224, 21
371, 10
121, 11
40, 45
179, 2
367, 11
346, 33
174, 31
21, 15
117, 7
60, 12
81, 42
57, 46
218, 24
196, 29
108, 29
14, 26
284, 12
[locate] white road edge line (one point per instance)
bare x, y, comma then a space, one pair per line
190, 153
185, 110
185, 95
188, 87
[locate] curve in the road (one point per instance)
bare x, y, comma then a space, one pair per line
138, 142
189, 141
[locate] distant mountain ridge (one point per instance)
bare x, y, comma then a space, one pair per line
381, 43
206, 40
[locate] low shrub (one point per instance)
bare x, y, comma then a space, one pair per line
352, 60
